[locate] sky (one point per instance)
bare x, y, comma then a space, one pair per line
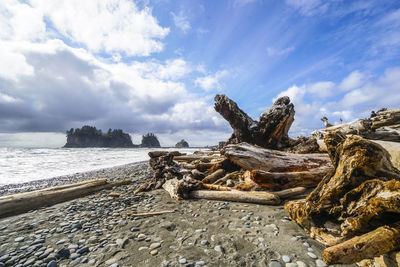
155, 66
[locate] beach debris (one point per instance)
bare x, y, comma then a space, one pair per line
22, 202
358, 200
384, 125
257, 197
151, 213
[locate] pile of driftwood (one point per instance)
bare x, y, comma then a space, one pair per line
355, 207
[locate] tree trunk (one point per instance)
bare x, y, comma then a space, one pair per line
384, 126
238, 196
272, 129
252, 157
377, 242
22, 202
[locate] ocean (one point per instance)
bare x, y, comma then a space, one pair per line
20, 165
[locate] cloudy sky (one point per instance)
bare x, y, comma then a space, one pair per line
156, 65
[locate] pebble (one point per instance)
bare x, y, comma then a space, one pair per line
294, 238
182, 261
291, 264
135, 229
60, 242
155, 245
200, 263
301, 264
204, 242
286, 258
306, 244
52, 264
310, 249
219, 249
83, 250
275, 264
114, 265
63, 253
19, 239
154, 252
320, 263
312, 255
74, 256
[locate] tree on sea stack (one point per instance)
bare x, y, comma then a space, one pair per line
182, 143
150, 140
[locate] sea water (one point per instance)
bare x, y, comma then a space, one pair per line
20, 165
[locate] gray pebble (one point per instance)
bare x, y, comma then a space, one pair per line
74, 256
320, 263
312, 255
60, 242
275, 264
135, 229
200, 263
114, 265
155, 245
219, 249
19, 239
52, 264
286, 258
204, 242
182, 261
306, 244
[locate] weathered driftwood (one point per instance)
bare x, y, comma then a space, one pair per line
226, 178
385, 260
384, 126
238, 196
290, 192
270, 131
179, 189
164, 169
276, 170
151, 213
211, 178
362, 193
22, 202
377, 242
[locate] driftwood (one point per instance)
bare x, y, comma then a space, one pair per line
384, 126
211, 178
380, 241
239, 196
290, 192
270, 131
151, 213
362, 194
276, 170
22, 202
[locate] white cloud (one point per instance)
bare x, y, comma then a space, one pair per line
212, 82
105, 26
273, 52
308, 7
238, 3
363, 95
12, 63
4, 98
354, 80
181, 21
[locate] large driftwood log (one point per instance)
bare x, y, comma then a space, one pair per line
362, 194
276, 170
272, 129
22, 202
377, 242
384, 126
238, 196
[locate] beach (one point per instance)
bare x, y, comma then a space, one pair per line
101, 230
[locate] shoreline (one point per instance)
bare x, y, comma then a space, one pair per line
111, 173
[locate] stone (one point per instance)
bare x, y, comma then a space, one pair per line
306, 244
286, 258
291, 264
52, 264
170, 226
83, 250
312, 255
219, 249
155, 245
135, 229
200, 263
73, 246
63, 253
301, 264
320, 263
19, 239
274, 264
182, 261
74, 256
154, 252
204, 242
114, 265
60, 242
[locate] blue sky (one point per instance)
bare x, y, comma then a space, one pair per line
156, 65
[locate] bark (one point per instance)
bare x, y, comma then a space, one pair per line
384, 126
22, 202
272, 129
377, 242
363, 193
179, 189
238, 196
211, 178
291, 192
252, 157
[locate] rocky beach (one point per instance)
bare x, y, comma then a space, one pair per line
102, 230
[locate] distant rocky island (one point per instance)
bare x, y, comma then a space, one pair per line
150, 140
89, 136
182, 143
